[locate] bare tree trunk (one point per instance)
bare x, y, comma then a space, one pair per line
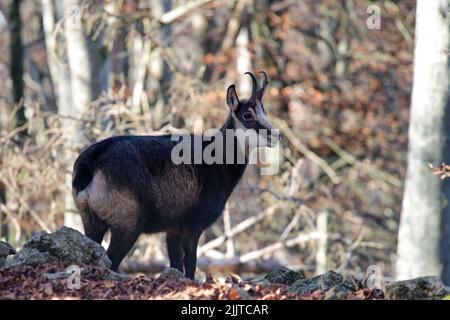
119, 59
88, 78
4, 232
3, 22
199, 25
243, 59
251, 178
445, 240
3, 224
16, 51
141, 59
52, 12
16, 72
421, 220
159, 71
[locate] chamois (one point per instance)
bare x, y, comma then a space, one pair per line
131, 185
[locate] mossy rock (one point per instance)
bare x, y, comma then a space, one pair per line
284, 275
421, 288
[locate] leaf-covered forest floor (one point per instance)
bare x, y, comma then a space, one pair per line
25, 282
68, 265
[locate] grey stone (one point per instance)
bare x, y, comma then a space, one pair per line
322, 282
329, 280
343, 286
305, 286
338, 292
66, 246
284, 275
29, 257
350, 283
5, 250
171, 274
422, 288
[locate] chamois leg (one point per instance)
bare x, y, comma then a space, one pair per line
121, 243
175, 250
94, 228
190, 242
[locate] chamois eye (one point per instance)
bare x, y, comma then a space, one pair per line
247, 116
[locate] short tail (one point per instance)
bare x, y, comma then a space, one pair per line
84, 174
84, 167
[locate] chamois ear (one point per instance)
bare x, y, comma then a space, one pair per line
232, 98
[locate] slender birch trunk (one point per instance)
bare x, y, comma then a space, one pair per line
420, 233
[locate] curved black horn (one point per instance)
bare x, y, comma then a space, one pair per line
262, 89
266, 79
255, 85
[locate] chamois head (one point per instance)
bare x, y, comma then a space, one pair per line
253, 128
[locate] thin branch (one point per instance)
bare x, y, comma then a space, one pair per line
296, 142
180, 11
24, 203
301, 238
373, 171
13, 220
352, 248
233, 26
237, 229
230, 252
291, 225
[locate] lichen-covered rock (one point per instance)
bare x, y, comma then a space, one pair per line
322, 282
5, 250
172, 274
341, 288
338, 292
261, 280
29, 257
422, 288
66, 246
352, 283
329, 280
305, 286
284, 275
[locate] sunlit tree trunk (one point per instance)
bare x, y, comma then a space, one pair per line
420, 234
3, 22
52, 12
88, 78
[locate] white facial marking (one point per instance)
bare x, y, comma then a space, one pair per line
251, 138
262, 117
270, 131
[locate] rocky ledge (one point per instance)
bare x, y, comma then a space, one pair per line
40, 271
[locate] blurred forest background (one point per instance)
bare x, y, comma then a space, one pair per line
74, 72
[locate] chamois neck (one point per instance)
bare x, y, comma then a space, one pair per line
235, 169
232, 146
